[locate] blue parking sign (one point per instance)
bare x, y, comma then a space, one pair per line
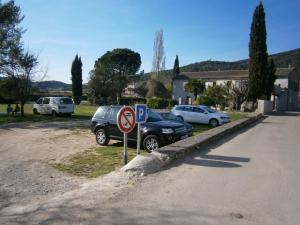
140, 113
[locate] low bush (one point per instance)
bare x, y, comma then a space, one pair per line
173, 102
157, 103
205, 100
132, 100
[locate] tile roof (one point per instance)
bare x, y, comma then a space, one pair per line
227, 74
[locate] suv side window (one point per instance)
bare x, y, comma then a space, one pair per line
46, 101
100, 113
188, 109
180, 108
39, 101
113, 114
184, 108
198, 110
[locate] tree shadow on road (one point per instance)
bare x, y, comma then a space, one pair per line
201, 157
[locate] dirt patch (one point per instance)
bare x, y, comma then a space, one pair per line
25, 153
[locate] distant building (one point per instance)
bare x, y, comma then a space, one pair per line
286, 90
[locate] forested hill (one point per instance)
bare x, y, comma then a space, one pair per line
283, 59
52, 85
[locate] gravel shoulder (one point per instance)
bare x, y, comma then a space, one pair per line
26, 151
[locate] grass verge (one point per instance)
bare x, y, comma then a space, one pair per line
96, 162
106, 159
81, 112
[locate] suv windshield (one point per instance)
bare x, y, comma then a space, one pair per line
170, 116
153, 116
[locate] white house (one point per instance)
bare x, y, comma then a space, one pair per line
286, 87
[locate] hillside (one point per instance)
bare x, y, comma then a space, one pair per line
52, 85
283, 59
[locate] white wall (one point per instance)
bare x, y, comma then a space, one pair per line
264, 107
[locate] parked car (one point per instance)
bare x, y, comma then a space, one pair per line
54, 106
200, 114
170, 116
155, 132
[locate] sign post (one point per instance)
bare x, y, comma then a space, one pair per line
126, 123
140, 117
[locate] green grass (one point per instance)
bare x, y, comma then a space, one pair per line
81, 112
97, 162
199, 128
237, 115
106, 159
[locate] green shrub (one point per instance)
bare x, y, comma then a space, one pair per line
158, 103
173, 102
205, 100
132, 100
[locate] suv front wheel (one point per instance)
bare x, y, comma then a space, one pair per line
101, 137
151, 143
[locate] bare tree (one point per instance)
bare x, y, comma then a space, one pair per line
159, 58
20, 75
236, 94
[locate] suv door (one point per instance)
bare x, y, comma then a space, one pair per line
199, 115
187, 112
112, 127
46, 108
39, 105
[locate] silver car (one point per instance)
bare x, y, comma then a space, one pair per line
200, 114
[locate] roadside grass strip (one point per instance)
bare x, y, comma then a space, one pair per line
94, 163
81, 112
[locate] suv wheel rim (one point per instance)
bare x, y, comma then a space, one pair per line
101, 137
152, 144
214, 123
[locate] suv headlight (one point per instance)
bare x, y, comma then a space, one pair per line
167, 130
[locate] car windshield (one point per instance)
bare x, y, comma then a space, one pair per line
153, 116
170, 116
210, 110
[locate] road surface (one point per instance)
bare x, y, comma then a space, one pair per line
250, 177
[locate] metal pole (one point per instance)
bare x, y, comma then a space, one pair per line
125, 148
138, 147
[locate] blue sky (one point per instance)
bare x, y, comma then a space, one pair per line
196, 30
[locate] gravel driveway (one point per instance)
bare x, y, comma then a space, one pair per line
26, 149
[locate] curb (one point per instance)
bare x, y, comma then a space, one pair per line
153, 162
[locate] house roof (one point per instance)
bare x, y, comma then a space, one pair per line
227, 74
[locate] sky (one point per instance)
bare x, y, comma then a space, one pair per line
196, 30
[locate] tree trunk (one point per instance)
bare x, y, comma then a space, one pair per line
22, 109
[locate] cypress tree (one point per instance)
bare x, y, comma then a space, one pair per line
76, 71
176, 69
258, 56
270, 79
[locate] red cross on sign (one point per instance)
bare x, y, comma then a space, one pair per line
126, 119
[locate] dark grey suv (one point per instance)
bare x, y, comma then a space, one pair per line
155, 133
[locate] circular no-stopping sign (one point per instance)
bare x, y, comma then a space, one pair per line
126, 119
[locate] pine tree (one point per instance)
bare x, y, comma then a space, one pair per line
176, 68
76, 71
258, 56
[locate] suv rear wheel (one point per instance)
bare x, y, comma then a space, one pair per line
214, 122
54, 114
101, 137
151, 143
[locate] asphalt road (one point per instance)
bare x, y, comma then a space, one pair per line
251, 177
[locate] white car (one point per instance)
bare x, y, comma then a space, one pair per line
54, 106
200, 114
